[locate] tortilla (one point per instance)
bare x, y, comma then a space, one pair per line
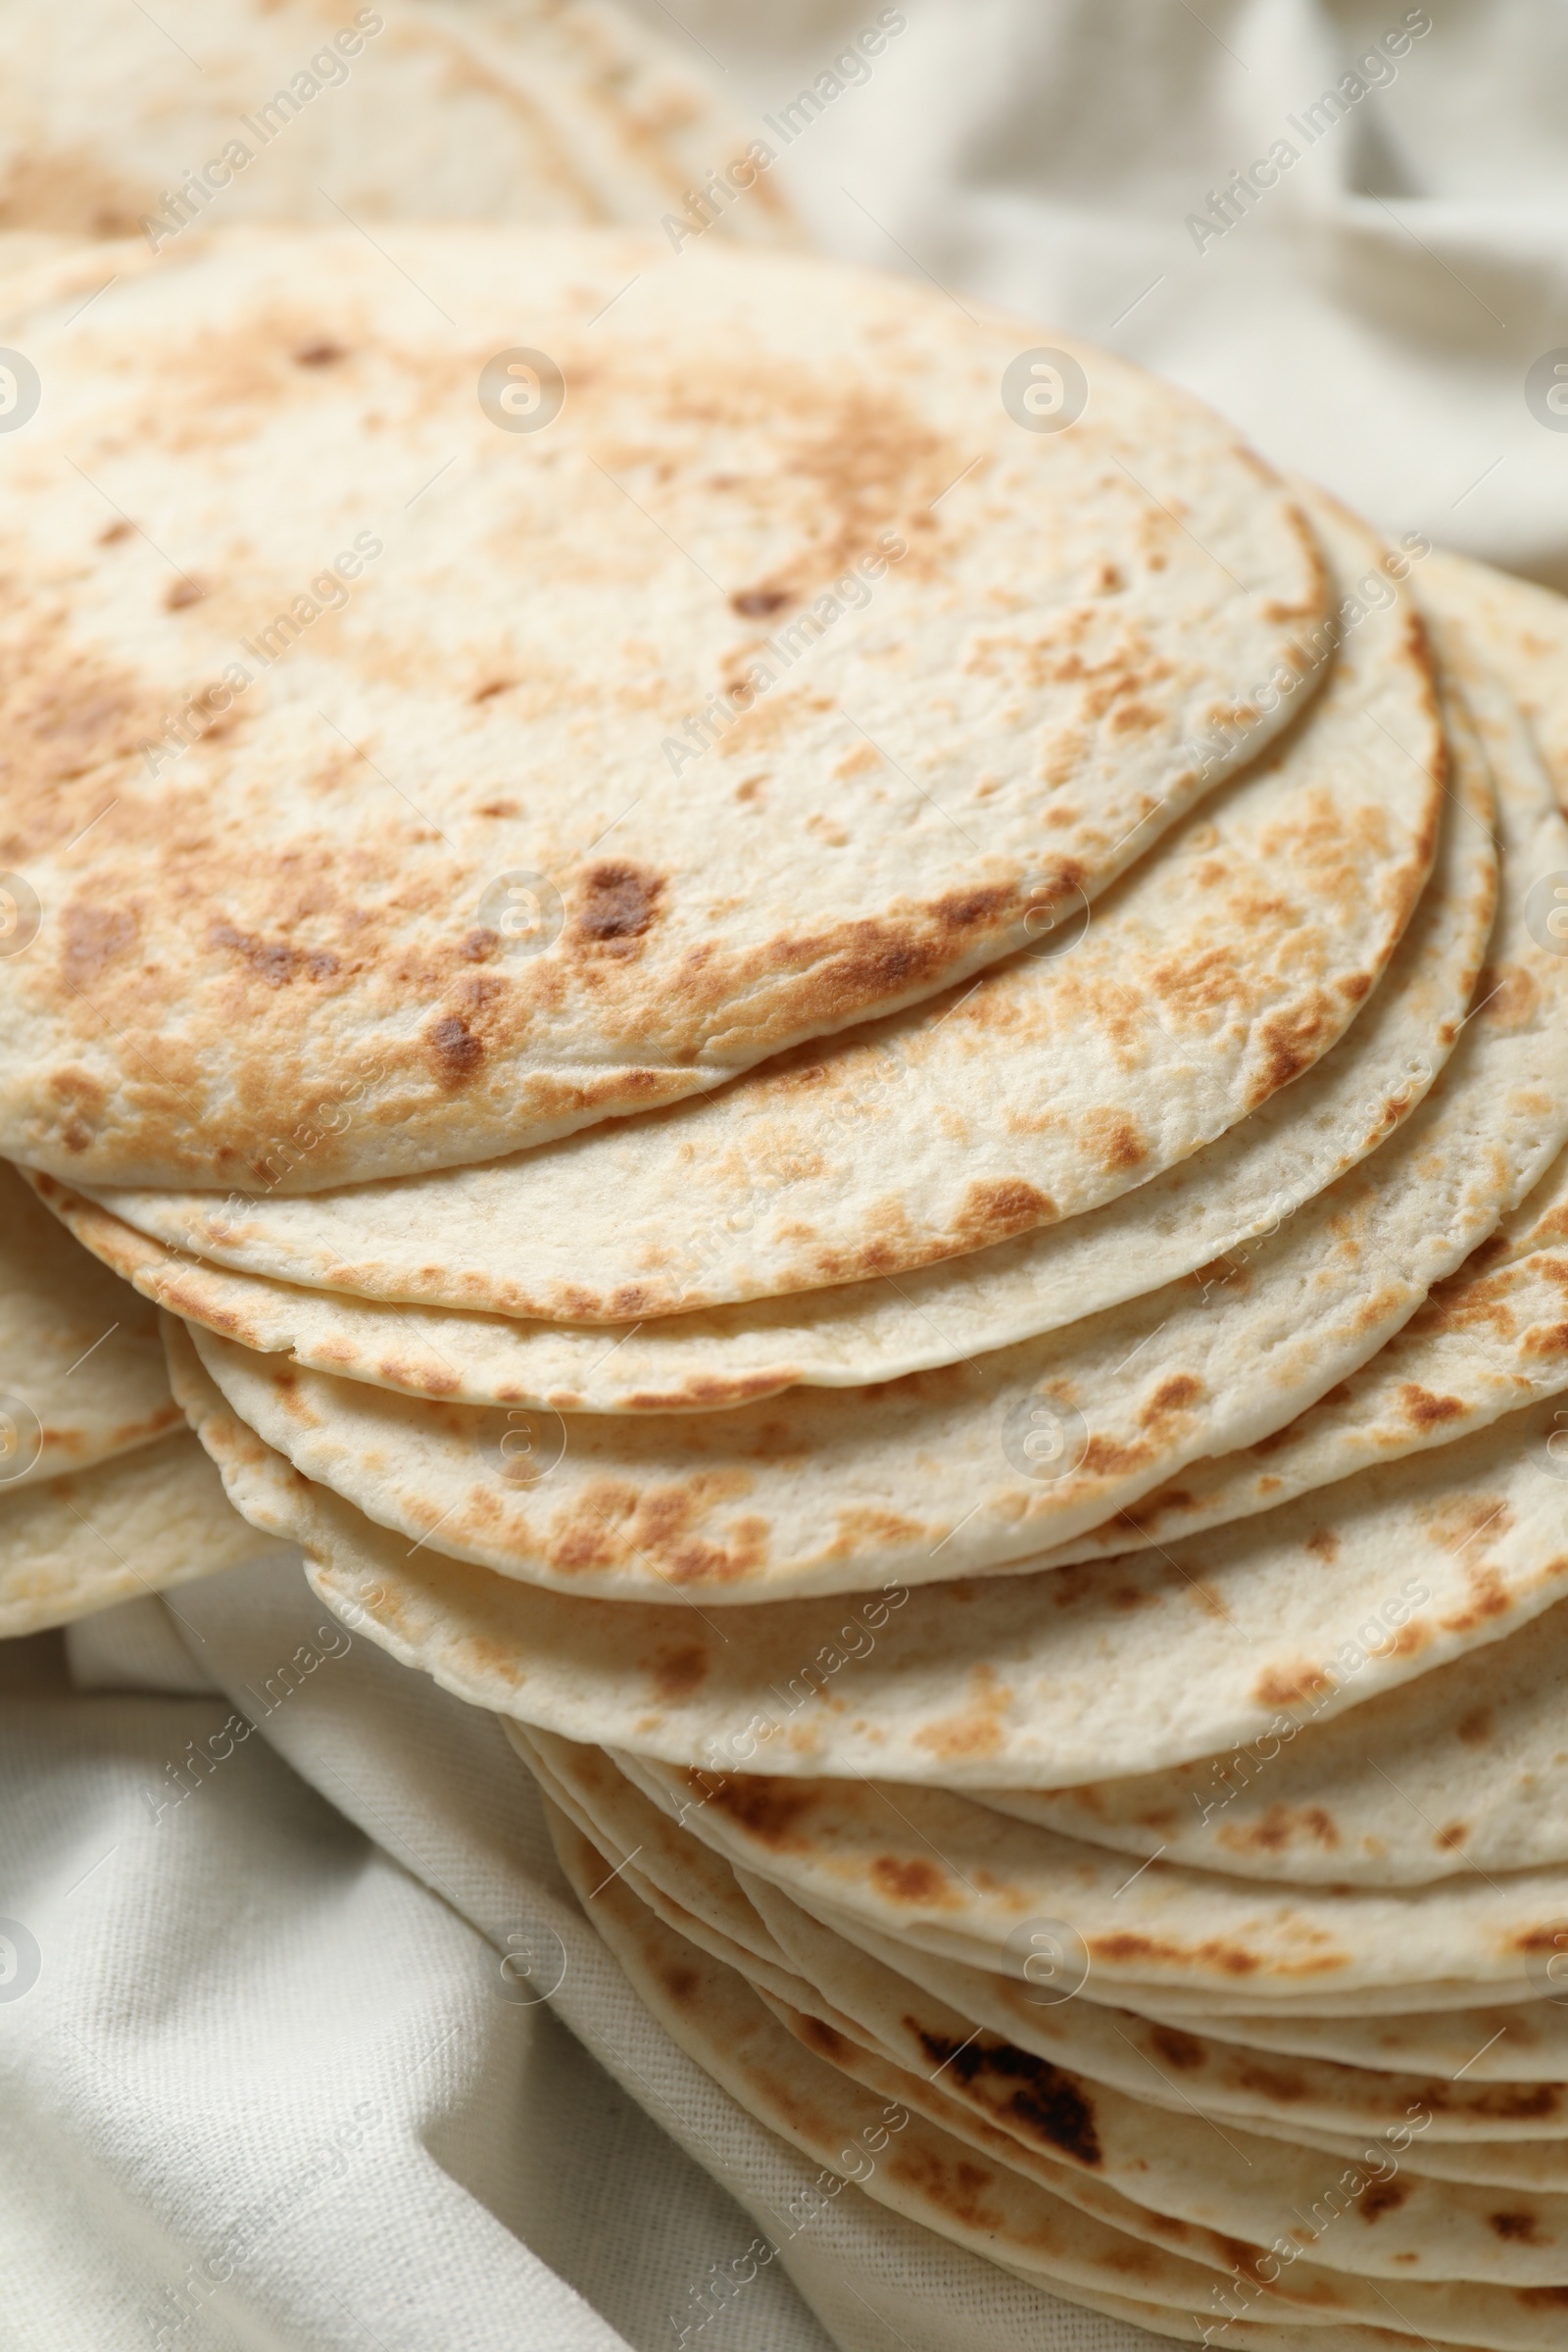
139, 1523
330, 824
997, 1681
413, 110
1465, 1770
81, 1365
1510, 2043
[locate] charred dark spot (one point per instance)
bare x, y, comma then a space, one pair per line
320, 355
1519, 2228
619, 902
1048, 2103
454, 1049
756, 604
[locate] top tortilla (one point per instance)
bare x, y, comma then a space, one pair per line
274, 962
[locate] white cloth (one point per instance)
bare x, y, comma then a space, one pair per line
264, 2086
268, 2086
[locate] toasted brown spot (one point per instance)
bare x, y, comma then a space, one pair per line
819, 2036
1425, 1410
274, 960
1519, 2228
1462, 1524
1172, 1397
1182, 2050
320, 355
452, 1050
1380, 2197
677, 1673
619, 902
114, 534
995, 1207
913, 1881
1278, 1826
1476, 1728
961, 911
758, 603
1324, 1543
1454, 1835
1131, 1946
1115, 1141
182, 593
1287, 1687
768, 1809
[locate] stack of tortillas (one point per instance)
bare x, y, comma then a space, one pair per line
844, 1060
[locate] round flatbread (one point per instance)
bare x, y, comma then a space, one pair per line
507, 780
